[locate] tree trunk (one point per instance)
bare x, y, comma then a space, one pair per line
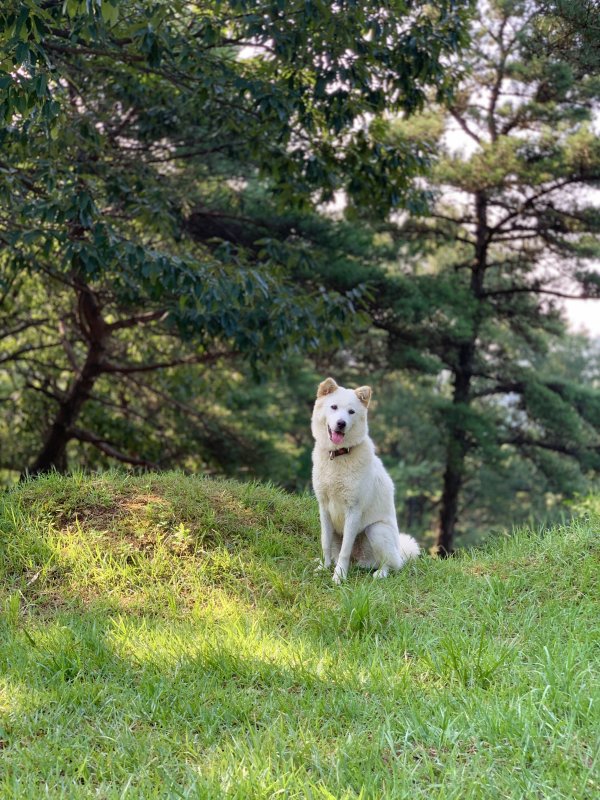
453, 478
53, 452
458, 440
455, 453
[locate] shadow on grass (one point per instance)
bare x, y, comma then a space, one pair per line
95, 699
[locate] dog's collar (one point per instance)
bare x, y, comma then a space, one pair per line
343, 451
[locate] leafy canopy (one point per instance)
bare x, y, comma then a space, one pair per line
115, 113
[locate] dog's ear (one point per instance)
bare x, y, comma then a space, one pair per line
364, 395
326, 387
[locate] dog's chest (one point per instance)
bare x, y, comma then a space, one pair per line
339, 489
337, 512
338, 479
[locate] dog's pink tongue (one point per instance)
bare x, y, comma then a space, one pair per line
337, 438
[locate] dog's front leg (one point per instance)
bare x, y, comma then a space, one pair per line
351, 529
326, 537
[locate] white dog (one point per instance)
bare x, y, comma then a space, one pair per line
355, 493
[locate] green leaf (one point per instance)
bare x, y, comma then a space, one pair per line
110, 12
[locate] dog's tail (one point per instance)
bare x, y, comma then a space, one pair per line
408, 546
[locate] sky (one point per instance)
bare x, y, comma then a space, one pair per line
584, 315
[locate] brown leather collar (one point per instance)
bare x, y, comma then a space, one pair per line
343, 451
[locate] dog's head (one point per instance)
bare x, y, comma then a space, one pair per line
340, 415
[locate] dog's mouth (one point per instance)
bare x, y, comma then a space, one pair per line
337, 437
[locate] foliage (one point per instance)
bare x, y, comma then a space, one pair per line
151, 152
570, 28
167, 635
158, 400
512, 229
166, 240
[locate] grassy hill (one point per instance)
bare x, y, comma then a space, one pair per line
166, 636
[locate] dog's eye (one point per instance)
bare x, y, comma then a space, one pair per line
351, 411
334, 408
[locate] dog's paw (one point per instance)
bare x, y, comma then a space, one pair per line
382, 572
339, 575
322, 567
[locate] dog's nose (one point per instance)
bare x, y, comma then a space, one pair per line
341, 424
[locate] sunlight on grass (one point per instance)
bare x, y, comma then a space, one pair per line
166, 636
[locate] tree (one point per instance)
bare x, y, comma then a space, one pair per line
135, 137
510, 232
569, 29
160, 400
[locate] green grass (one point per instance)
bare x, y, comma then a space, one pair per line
166, 636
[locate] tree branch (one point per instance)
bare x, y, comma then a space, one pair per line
59, 398
502, 388
538, 290
23, 326
498, 82
462, 122
67, 347
193, 153
525, 441
530, 201
127, 369
17, 354
139, 319
107, 448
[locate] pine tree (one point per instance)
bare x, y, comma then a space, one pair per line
512, 229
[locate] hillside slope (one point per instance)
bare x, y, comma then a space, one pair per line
166, 636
